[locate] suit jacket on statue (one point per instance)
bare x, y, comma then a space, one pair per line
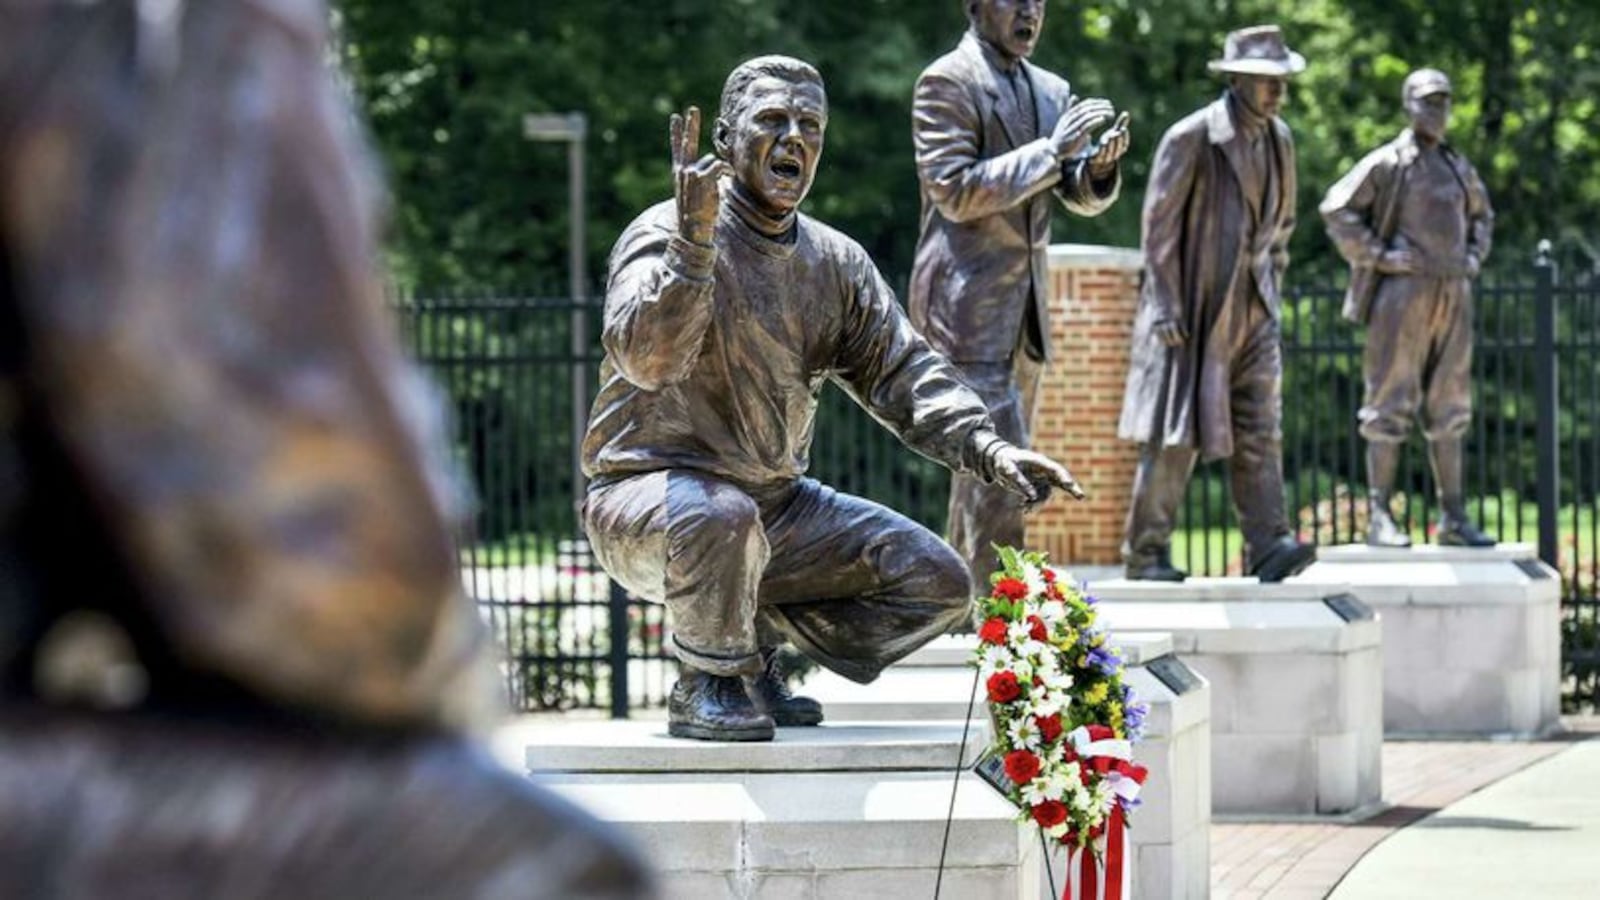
1200, 237
986, 175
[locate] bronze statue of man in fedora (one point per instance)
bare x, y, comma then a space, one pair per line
727, 309
1414, 221
1000, 143
1206, 367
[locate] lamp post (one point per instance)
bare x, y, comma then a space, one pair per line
571, 128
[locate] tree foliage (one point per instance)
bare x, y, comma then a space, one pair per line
445, 85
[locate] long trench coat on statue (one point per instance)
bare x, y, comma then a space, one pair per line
980, 273
1196, 222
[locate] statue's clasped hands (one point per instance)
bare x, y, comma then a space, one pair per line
1073, 135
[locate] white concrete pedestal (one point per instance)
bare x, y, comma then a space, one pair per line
1170, 834
1296, 687
850, 810
1471, 636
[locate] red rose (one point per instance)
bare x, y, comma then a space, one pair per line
1048, 574
1050, 813
1037, 629
1053, 592
1003, 687
1021, 766
1049, 727
1010, 588
993, 631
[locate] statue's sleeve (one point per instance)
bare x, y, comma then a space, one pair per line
1166, 198
191, 247
658, 303
887, 366
1286, 222
1347, 211
1084, 194
946, 129
1480, 216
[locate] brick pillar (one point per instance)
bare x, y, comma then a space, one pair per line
1093, 294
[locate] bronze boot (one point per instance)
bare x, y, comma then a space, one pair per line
1152, 566
1382, 460
1455, 529
772, 695
710, 707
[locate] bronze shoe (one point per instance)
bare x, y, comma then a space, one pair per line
772, 695
709, 707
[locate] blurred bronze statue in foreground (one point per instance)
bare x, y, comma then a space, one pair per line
1000, 142
1206, 369
234, 656
726, 311
1414, 221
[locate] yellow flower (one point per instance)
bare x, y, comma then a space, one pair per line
1096, 695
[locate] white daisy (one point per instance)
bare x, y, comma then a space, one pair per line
995, 658
1024, 733
1034, 579
1017, 633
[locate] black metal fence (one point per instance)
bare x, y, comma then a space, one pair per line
574, 639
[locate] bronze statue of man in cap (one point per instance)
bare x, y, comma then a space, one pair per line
726, 311
999, 142
1206, 367
1414, 221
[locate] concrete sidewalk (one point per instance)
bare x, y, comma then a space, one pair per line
1399, 854
1533, 834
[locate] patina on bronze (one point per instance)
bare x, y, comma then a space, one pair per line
726, 312
1414, 221
1205, 373
223, 513
997, 140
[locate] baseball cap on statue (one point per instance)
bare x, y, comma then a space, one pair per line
1424, 83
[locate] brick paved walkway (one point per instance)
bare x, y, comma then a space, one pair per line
1294, 861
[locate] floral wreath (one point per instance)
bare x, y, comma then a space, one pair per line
1064, 720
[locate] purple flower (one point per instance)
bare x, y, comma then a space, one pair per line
1105, 659
1133, 713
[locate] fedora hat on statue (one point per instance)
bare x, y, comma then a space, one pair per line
1257, 51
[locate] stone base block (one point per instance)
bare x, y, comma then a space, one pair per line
855, 810
1471, 636
1171, 830
1296, 687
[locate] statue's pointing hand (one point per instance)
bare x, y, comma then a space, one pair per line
694, 178
1028, 474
